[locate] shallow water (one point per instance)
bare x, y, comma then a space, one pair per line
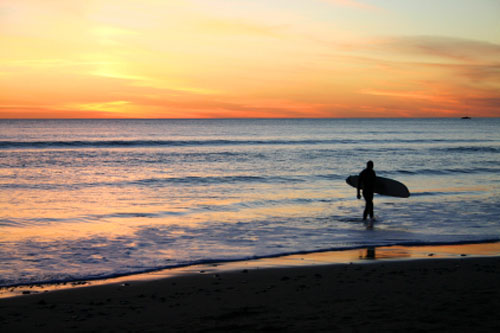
95, 198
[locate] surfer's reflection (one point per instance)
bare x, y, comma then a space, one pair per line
369, 254
367, 179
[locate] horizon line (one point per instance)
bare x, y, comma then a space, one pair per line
243, 118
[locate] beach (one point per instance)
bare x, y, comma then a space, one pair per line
453, 294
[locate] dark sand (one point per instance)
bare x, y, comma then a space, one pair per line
461, 294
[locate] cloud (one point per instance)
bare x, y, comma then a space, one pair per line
457, 49
351, 4
113, 106
417, 95
227, 26
52, 63
487, 102
485, 73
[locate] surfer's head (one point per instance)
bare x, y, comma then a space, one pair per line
369, 165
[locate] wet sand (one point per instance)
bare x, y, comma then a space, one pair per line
460, 294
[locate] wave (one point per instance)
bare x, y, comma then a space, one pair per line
6, 283
197, 180
441, 193
443, 171
187, 180
194, 143
243, 179
469, 149
155, 143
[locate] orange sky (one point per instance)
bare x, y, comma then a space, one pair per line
249, 58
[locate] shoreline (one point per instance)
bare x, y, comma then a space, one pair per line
320, 258
459, 294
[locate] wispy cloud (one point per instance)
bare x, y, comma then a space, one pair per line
52, 63
442, 47
110, 35
424, 96
351, 4
227, 26
113, 106
113, 74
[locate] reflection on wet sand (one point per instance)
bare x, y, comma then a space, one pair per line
357, 256
385, 253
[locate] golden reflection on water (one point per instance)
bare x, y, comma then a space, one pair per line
49, 215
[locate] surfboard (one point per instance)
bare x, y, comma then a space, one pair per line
384, 186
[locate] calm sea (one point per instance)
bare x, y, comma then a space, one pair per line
98, 198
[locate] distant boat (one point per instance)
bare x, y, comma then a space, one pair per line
466, 117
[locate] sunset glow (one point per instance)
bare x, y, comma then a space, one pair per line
249, 58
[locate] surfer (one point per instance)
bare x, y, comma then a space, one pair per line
366, 182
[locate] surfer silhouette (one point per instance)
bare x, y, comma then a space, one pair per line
366, 182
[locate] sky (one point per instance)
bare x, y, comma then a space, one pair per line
249, 58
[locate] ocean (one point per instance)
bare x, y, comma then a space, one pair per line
82, 199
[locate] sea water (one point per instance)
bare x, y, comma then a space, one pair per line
85, 199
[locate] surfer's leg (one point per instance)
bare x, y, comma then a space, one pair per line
369, 205
370, 208
365, 212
